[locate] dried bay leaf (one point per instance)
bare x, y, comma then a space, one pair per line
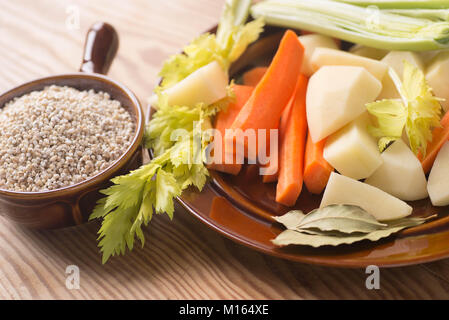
289, 237
291, 219
337, 224
341, 218
409, 222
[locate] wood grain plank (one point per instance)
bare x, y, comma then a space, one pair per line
182, 259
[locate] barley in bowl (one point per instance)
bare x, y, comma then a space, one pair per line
60, 136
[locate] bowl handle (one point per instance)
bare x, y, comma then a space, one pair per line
100, 48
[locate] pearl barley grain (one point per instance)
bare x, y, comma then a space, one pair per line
60, 136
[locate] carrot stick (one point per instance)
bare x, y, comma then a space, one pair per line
439, 137
275, 164
253, 76
316, 169
264, 108
271, 166
293, 141
224, 120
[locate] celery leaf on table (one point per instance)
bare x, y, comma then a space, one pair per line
130, 201
178, 160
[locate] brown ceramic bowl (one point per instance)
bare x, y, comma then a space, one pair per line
72, 205
242, 207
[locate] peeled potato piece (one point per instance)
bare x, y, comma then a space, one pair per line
437, 77
438, 184
330, 57
205, 85
401, 174
310, 42
344, 190
352, 151
395, 60
336, 95
368, 52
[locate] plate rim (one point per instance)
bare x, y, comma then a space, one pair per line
348, 263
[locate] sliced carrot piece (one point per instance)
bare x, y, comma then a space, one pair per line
224, 120
293, 143
271, 95
274, 166
316, 169
253, 76
439, 137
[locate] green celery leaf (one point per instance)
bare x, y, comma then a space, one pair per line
419, 112
424, 109
166, 188
114, 232
391, 116
130, 201
178, 163
200, 52
241, 38
232, 40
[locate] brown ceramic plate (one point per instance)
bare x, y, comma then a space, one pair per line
241, 208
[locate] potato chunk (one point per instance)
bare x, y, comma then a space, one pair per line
310, 42
330, 57
437, 77
438, 185
368, 52
336, 95
352, 151
395, 60
207, 85
401, 174
344, 190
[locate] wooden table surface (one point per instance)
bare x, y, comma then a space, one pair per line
181, 259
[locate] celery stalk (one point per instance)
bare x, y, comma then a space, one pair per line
400, 4
367, 26
235, 13
431, 14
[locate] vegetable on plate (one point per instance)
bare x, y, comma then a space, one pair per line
399, 4
316, 169
439, 137
395, 60
363, 25
228, 162
352, 151
400, 173
273, 165
383, 206
337, 95
418, 111
253, 76
332, 57
438, 185
264, 108
368, 52
310, 42
292, 148
198, 87
437, 77
335, 225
